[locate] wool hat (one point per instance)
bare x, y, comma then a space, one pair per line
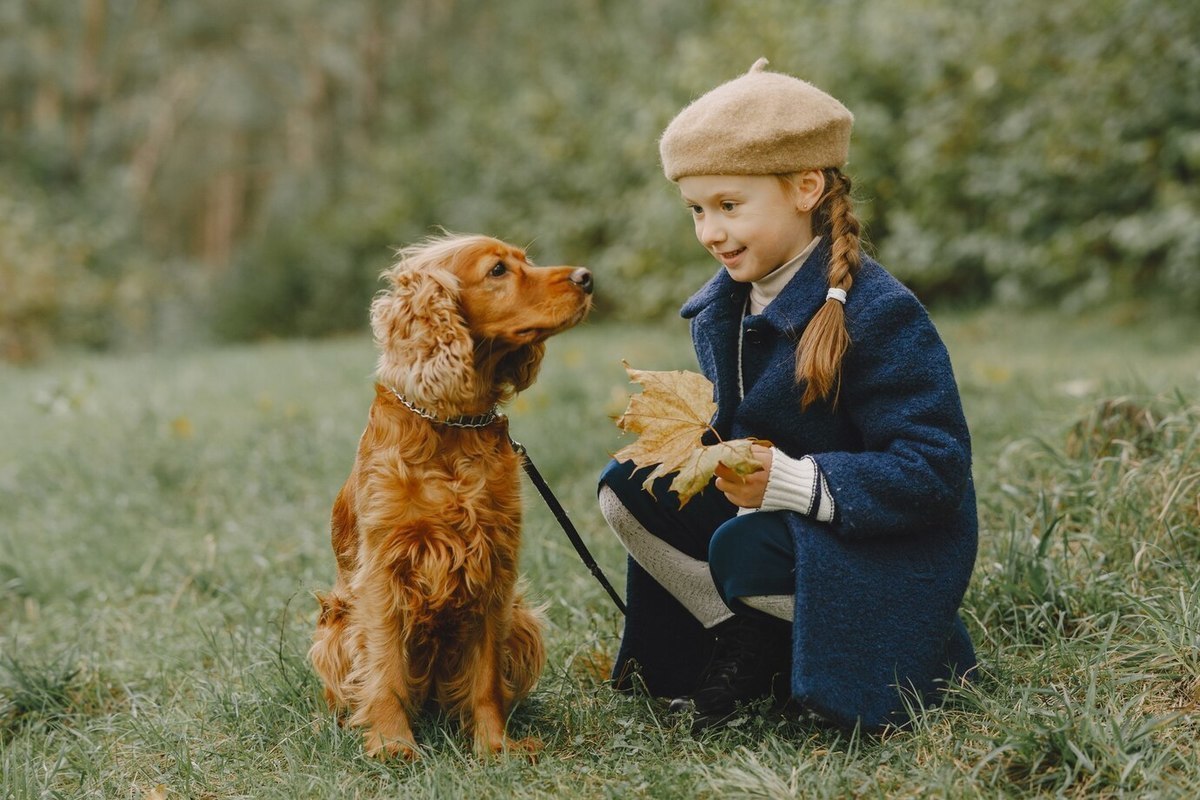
763, 123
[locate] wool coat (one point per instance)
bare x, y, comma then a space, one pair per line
877, 590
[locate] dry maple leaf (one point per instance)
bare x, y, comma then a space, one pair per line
670, 418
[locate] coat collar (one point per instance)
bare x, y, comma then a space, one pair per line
717, 325
788, 313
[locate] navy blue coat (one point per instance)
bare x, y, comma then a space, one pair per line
877, 589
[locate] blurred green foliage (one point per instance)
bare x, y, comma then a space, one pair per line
171, 170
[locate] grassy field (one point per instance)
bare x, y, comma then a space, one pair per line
163, 524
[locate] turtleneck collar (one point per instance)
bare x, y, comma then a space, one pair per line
767, 288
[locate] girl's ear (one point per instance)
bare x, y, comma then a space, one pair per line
810, 189
425, 349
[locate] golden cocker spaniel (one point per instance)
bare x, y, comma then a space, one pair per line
426, 530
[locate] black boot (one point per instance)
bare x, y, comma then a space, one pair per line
751, 660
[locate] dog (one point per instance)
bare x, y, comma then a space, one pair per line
426, 606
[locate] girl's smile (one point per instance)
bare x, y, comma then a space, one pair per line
750, 223
730, 258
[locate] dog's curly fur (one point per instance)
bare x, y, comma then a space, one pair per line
426, 530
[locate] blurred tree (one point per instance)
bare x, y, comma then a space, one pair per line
248, 167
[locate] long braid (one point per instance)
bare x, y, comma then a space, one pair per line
825, 340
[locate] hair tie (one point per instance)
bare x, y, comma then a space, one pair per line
835, 293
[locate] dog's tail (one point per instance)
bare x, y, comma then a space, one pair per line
524, 652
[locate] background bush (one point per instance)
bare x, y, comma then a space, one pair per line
243, 170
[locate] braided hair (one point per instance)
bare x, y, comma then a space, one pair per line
825, 340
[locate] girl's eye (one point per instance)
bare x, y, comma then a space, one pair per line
728, 206
696, 210
498, 270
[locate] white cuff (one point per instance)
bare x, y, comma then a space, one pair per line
796, 484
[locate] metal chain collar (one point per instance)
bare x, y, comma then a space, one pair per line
473, 421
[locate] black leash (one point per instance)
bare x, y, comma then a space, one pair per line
565, 522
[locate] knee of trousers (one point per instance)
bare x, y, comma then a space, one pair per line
687, 528
618, 477
752, 555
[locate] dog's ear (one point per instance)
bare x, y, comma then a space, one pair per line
519, 368
425, 348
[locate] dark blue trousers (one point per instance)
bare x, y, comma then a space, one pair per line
747, 556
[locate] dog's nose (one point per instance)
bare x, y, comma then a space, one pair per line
582, 278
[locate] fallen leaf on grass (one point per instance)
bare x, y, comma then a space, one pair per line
670, 417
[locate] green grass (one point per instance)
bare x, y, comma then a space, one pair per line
163, 523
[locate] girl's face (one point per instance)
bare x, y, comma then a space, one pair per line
750, 223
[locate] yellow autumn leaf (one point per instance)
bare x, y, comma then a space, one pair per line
670, 417
698, 470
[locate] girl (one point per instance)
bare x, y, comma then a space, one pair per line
835, 574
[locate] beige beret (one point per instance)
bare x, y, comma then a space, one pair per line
763, 123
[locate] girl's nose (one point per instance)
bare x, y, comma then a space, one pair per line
710, 233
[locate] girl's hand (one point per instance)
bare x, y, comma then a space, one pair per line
746, 491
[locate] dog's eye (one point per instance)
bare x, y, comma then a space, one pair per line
498, 270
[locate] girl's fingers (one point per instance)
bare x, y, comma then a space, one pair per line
724, 473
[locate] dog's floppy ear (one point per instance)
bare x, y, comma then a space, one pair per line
519, 368
425, 349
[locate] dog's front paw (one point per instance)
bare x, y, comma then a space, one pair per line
529, 747
383, 747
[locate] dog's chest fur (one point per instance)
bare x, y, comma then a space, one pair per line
454, 555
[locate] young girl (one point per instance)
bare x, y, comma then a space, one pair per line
835, 574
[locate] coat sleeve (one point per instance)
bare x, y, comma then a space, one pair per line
899, 392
